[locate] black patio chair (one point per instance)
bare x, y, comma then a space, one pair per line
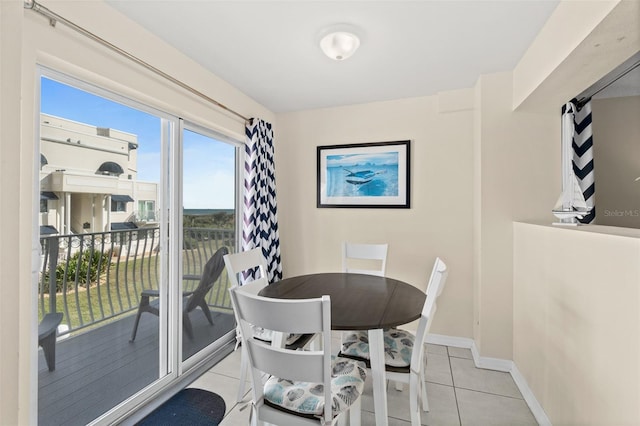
47, 332
191, 299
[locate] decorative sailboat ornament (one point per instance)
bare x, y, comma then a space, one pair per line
571, 204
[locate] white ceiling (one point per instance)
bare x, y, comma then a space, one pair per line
269, 49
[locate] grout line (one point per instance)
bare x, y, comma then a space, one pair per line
223, 375
455, 393
461, 357
491, 393
453, 381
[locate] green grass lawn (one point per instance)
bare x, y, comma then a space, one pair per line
117, 292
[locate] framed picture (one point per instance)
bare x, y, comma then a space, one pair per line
371, 175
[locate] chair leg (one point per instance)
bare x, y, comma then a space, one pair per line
355, 413
342, 419
423, 386
47, 333
49, 348
425, 400
186, 324
135, 326
254, 421
413, 399
244, 366
206, 311
144, 306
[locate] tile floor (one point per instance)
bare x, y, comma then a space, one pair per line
459, 393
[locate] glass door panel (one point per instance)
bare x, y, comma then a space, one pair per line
209, 223
101, 239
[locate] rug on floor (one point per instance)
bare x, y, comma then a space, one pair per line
188, 407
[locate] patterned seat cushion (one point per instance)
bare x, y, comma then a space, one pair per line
347, 383
398, 346
267, 335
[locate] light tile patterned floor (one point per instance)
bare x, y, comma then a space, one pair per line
459, 393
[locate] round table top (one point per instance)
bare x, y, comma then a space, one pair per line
358, 301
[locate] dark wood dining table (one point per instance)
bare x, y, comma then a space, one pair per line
359, 302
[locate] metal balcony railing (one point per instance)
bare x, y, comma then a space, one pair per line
96, 277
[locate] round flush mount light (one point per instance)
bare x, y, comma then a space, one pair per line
339, 43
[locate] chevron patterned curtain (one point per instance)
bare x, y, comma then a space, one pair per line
260, 221
583, 156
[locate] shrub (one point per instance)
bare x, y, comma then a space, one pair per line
189, 243
87, 268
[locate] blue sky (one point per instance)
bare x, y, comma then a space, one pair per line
208, 178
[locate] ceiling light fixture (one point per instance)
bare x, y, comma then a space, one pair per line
339, 43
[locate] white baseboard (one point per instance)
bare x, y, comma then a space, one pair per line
529, 397
495, 364
456, 342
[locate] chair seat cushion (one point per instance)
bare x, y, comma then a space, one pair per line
398, 346
267, 335
347, 383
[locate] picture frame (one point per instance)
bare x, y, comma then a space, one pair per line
364, 175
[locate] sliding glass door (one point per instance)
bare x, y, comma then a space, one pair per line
103, 261
120, 256
208, 191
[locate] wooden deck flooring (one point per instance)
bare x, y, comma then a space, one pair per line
100, 368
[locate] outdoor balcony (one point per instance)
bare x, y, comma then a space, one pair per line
96, 285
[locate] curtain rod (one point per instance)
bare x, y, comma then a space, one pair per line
622, 70
636, 65
54, 17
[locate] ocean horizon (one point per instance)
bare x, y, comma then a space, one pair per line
202, 212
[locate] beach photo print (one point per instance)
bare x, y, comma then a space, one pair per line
364, 175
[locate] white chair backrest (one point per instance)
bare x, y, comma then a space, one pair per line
289, 316
237, 263
353, 256
434, 289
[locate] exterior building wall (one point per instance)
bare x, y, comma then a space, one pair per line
74, 153
76, 146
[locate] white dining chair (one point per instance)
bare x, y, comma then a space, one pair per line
303, 387
254, 261
359, 258
364, 258
404, 352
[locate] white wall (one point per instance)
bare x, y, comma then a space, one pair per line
457, 154
440, 218
580, 43
517, 177
15, 252
577, 322
575, 292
